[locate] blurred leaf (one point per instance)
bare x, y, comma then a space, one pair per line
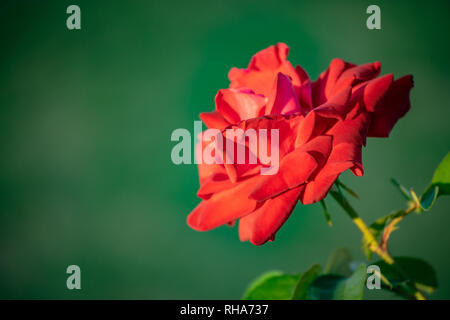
301, 289
326, 212
272, 285
324, 287
339, 263
353, 287
335, 287
401, 188
417, 270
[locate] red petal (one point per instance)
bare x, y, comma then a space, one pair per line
223, 207
216, 182
295, 168
362, 72
305, 129
303, 76
263, 69
318, 189
285, 100
371, 92
206, 170
392, 107
337, 106
319, 147
321, 88
348, 138
340, 75
261, 225
270, 58
239, 104
304, 90
352, 130
214, 120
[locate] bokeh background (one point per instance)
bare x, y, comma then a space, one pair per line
86, 117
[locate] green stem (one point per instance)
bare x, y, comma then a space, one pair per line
373, 243
371, 240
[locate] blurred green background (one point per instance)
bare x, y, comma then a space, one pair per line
86, 117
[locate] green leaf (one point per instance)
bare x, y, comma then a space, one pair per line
441, 177
324, 287
417, 270
440, 184
326, 212
339, 262
428, 199
301, 289
335, 287
402, 189
272, 285
353, 287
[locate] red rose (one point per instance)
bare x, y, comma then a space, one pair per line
322, 127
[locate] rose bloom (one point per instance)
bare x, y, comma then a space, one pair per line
322, 127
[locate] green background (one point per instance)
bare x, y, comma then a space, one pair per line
86, 117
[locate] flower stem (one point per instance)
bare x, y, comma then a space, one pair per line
372, 242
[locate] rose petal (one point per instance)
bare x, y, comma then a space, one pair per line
285, 100
322, 87
223, 207
239, 104
337, 106
371, 92
261, 225
295, 168
394, 105
214, 120
263, 69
